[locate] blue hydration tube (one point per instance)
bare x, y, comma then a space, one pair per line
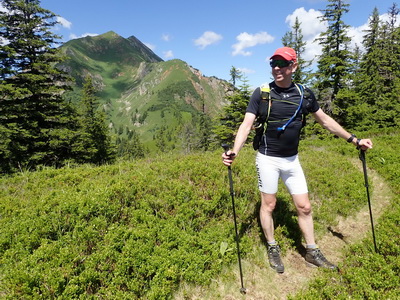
297, 110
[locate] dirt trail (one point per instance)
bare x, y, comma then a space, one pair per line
263, 283
348, 231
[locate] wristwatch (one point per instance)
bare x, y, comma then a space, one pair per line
358, 143
351, 138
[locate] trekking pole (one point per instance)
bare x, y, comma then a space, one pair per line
362, 158
242, 289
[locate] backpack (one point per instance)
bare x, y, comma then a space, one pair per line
264, 109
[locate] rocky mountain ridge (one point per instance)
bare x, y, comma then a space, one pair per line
139, 91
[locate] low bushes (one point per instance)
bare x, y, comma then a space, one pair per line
136, 230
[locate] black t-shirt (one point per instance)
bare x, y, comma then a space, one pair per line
284, 101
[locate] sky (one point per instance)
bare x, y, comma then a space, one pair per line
210, 35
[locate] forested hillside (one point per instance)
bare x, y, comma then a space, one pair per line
144, 105
162, 104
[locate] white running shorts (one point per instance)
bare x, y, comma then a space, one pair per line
270, 168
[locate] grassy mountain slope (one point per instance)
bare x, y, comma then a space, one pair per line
137, 230
108, 55
172, 94
141, 92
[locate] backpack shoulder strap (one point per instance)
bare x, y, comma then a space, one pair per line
264, 103
307, 98
305, 104
265, 90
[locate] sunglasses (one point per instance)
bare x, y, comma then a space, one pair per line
280, 63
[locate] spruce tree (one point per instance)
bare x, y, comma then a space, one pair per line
233, 114
360, 115
334, 64
235, 75
38, 122
204, 129
97, 139
378, 85
294, 39
131, 147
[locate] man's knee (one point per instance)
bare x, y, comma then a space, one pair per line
268, 202
303, 204
305, 209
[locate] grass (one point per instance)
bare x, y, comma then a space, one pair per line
141, 229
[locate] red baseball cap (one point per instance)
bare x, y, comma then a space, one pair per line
286, 52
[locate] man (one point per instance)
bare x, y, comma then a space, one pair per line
277, 153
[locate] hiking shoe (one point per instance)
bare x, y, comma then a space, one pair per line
274, 257
315, 258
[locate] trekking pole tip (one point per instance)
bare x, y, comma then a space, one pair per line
243, 290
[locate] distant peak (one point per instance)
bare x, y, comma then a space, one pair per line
110, 33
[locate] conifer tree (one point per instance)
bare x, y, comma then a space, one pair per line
5, 149
294, 39
334, 64
131, 147
97, 139
38, 122
233, 114
235, 75
204, 129
378, 85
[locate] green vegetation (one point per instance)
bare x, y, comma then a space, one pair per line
136, 230
38, 126
366, 274
143, 94
132, 230
97, 146
232, 115
358, 88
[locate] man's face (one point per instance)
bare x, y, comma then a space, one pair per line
283, 74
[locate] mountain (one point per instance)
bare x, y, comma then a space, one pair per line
161, 101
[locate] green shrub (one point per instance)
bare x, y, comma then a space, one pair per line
366, 274
136, 230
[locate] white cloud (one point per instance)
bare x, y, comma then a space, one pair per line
168, 54
3, 9
311, 26
386, 18
150, 46
208, 38
356, 35
246, 70
64, 22
2, 40
166, 37
73, 36
247, 40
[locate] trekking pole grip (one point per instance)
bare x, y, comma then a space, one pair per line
362, 155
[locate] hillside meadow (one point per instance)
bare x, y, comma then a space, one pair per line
142, 229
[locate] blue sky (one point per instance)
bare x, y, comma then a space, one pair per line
210, 35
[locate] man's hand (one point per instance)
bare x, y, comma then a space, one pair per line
228, 157
364, 144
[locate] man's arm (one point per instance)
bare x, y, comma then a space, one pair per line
334, 127
241, 137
